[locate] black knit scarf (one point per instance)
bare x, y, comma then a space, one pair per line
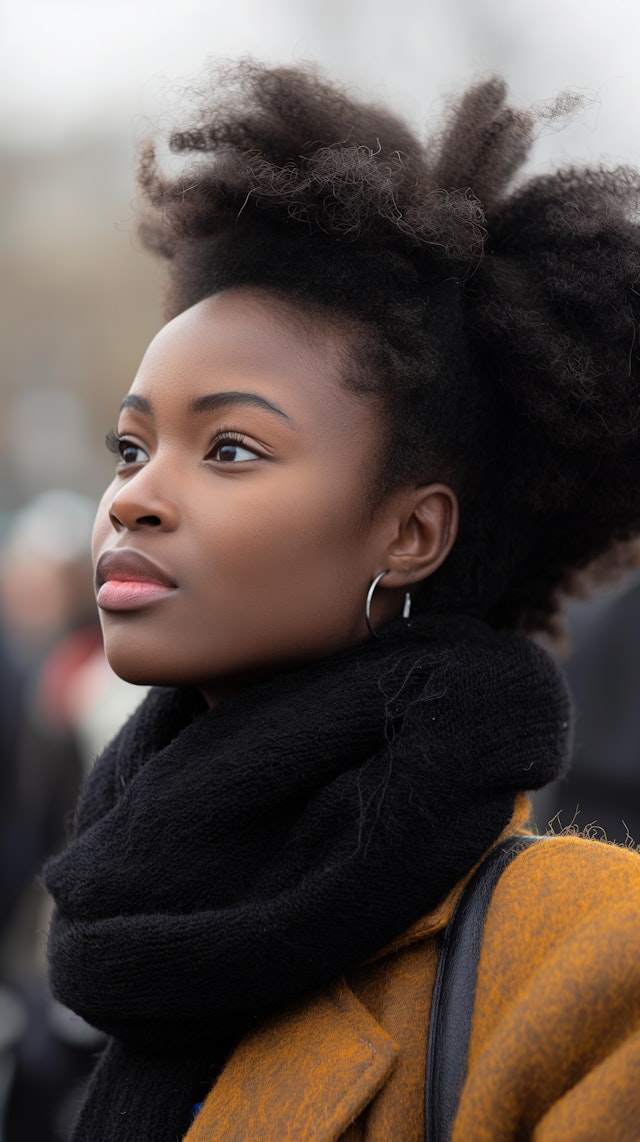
227, 860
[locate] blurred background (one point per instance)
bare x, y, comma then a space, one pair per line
82, 82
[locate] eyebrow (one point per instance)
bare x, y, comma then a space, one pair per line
211, 402
137, 403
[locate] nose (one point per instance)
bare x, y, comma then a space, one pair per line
140, 503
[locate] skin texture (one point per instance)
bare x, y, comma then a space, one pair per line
269, 537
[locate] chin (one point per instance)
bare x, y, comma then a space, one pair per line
138, 659
138, 676
141, 670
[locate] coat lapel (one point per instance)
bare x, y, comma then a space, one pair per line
305, 1074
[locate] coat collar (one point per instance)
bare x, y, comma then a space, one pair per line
311, 1069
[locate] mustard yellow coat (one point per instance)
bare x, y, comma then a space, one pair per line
555, 1040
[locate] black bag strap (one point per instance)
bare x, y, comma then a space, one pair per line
454, 991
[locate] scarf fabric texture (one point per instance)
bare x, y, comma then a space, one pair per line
225, 861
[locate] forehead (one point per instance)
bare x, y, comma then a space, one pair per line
241, 340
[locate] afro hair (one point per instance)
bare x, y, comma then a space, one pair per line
496, 317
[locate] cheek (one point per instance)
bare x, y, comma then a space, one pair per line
285, 579
289, 540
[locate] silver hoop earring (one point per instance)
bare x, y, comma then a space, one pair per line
406, 609
367, 610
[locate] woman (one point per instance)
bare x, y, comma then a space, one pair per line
393, 414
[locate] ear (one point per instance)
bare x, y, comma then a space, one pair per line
423, 533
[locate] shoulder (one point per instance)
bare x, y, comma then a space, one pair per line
556, 1023
560, 904
564, 880
563, 857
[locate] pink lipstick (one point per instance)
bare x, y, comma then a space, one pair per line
127, 580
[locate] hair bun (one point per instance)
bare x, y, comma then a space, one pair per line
557, 302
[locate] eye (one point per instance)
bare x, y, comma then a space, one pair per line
126, 451
230, 448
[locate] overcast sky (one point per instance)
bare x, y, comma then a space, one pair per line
66, 65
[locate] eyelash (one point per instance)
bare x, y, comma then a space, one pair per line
117, 444
224, 435
112, 441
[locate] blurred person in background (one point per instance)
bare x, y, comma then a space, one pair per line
392, 414
16, 863
601, 790
62, 703
45, 580
11, 839
46, 598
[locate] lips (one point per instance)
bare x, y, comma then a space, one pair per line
127, 580
128, 566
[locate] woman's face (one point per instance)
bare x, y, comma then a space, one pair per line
242, 474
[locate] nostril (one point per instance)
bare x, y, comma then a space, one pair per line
149, 520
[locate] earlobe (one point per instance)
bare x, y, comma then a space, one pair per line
426, 533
